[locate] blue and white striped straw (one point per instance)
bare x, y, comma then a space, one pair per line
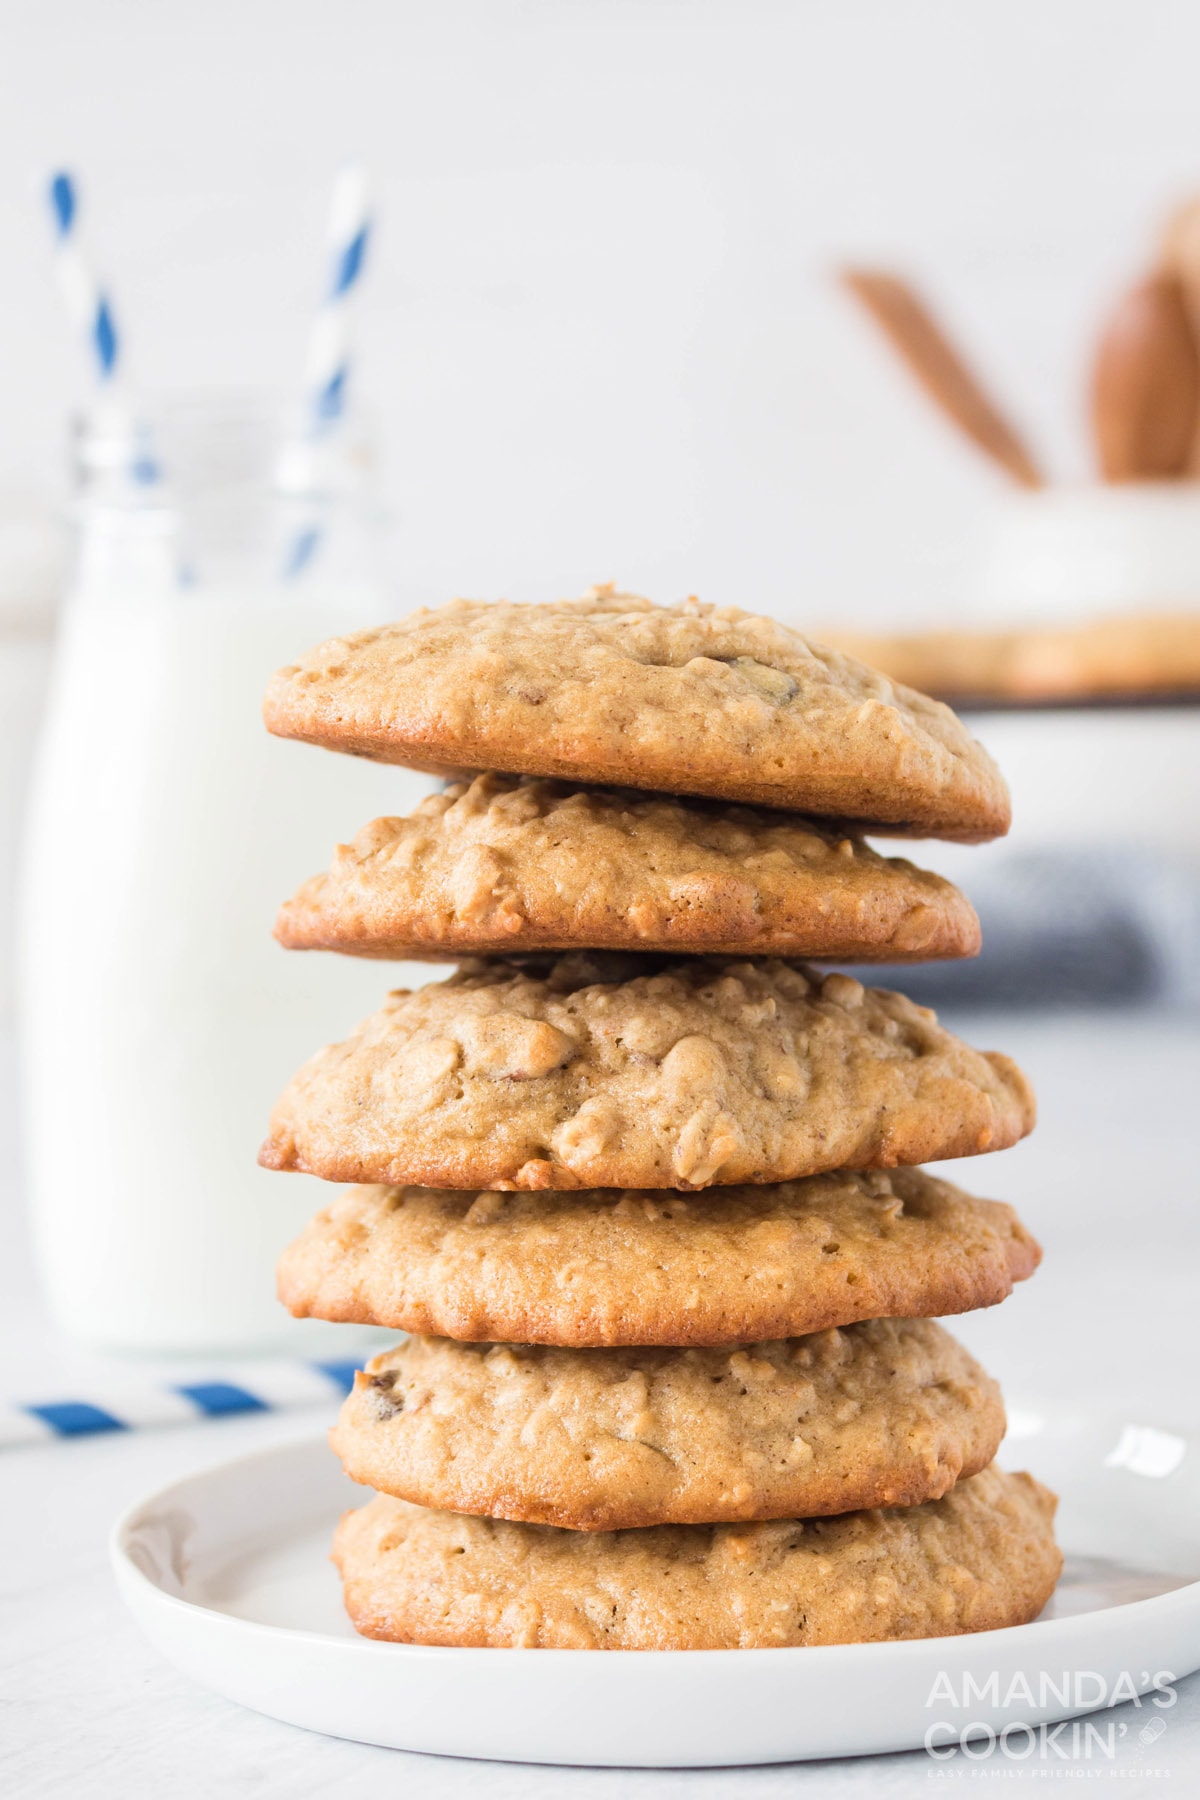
327, 370
88, 305
250, 1388
91, 311
327, 366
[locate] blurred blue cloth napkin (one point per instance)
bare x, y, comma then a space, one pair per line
1071, 928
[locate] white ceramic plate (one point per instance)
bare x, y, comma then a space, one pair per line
228, 1575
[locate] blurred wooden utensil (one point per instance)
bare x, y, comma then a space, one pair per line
1146, 384
1181, 257
921, 341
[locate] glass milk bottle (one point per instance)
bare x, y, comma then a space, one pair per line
159, 1018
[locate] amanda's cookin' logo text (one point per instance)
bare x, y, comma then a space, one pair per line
1070, 1740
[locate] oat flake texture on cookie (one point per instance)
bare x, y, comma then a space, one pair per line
887, 1413
509, 863
603, 1071
612, 1266
640, 1182
687, 699
979, 1559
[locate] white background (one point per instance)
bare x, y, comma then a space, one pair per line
600, 332
601, 340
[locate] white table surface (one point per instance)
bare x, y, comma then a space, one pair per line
1110, 1183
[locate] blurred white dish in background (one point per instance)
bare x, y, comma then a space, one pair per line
1124, 777
1117, 786
1102, 776
159, 1018
228, 1574
1065, 553
1088, 774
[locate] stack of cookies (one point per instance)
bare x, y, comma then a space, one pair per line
638, 1180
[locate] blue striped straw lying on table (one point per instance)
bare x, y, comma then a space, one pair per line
248, 1388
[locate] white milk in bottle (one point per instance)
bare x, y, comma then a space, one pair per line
160, 1019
